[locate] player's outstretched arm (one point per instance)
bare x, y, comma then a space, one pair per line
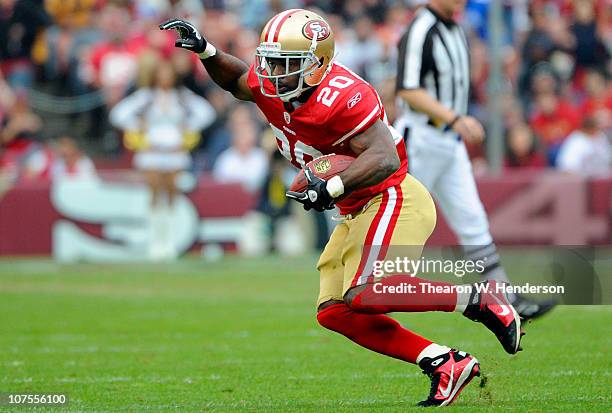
229, 72
377, 158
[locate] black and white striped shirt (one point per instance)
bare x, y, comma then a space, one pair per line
433, 55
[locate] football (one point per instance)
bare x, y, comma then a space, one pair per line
324, 167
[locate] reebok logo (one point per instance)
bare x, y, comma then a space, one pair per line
354, 100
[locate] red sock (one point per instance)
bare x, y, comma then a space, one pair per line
393, 294
377, 332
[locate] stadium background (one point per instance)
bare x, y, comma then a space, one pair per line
66, 64
146, 336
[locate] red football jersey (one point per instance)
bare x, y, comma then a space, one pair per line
343, 106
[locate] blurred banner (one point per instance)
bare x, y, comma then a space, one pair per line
107, 220
542, 208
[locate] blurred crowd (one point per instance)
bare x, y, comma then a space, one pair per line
557, 99
65, 64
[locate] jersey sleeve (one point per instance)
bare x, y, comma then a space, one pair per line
252, 81
354, 112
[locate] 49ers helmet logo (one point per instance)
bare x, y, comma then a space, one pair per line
317, 28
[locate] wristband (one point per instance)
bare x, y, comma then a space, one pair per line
208, 52
335, 187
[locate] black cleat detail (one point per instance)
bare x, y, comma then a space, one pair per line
492, 309
449, 374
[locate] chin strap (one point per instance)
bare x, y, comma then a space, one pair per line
293, 100
293, 95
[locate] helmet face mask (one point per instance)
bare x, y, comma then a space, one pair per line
296, 64
295, 53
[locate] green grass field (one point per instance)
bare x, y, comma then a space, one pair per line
240, 335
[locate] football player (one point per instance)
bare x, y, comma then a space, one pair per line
316, 106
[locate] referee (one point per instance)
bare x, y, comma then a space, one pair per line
433, 86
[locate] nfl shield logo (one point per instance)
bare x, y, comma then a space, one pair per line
287, 118
322, 166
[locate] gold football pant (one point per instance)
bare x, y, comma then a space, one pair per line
403, 215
